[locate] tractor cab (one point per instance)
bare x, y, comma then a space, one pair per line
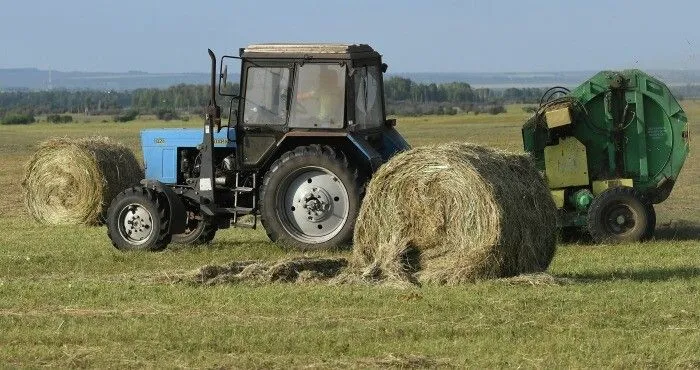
306, 129
328, 89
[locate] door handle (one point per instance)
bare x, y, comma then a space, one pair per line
252, 129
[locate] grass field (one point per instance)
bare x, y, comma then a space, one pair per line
68, 299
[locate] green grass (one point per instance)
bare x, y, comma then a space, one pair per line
68, 299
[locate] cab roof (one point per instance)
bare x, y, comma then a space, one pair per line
309, 51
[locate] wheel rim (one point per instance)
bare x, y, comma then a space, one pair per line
193, 224
619, 219
135, 224
312, 204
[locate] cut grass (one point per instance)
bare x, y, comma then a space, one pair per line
68, 299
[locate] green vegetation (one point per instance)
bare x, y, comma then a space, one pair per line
71, 300
17, 119
57, 118
404, 97
126, 116
167, 114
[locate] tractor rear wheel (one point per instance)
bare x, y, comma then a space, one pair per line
310, 199
137, 219
619, 215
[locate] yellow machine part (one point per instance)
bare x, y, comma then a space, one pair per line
566, 164
558, 117
603, 185
558, 197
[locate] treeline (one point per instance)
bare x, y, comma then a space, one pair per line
403, 97
406, 97
403, 89
183, 98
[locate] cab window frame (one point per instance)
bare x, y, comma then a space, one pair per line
244, 92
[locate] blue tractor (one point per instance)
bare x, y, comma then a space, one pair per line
305, 131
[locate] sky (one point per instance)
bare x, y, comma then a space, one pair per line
413, 36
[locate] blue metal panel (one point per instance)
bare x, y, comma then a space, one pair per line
392, 143
160, 147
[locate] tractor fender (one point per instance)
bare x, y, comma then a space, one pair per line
349, 143
176, 209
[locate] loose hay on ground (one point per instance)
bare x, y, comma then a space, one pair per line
302, 269
72, 181
455, 213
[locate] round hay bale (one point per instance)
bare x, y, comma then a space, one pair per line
455, 213
72, 181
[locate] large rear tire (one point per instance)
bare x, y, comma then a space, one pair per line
310, 199
620, 215
137, 219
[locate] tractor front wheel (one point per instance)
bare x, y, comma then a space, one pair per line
198, 230
310, 199
620, 215
137, 220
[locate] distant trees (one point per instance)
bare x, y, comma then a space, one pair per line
403, 97
166, 114
126, 116
17, 119
57, 118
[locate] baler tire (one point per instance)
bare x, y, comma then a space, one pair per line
620, 215
273, 192
151, 207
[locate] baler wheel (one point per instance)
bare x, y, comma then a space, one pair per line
137, 219
620, 215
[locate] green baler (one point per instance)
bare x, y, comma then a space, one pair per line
610, 149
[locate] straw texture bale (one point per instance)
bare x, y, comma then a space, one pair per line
455, 213
72, 181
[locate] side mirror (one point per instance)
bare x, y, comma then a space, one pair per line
391, 122
384, 67
226, 87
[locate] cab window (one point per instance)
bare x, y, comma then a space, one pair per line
266, 96
368, 100
319, 96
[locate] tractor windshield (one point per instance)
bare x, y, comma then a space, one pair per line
319, 96
266, 96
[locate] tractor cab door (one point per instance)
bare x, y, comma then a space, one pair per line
264, 110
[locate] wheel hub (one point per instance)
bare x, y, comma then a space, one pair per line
137, 223
620, 219
318, 204
313, 204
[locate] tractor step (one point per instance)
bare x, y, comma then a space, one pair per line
240, 211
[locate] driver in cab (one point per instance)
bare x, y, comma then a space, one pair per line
322, 101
